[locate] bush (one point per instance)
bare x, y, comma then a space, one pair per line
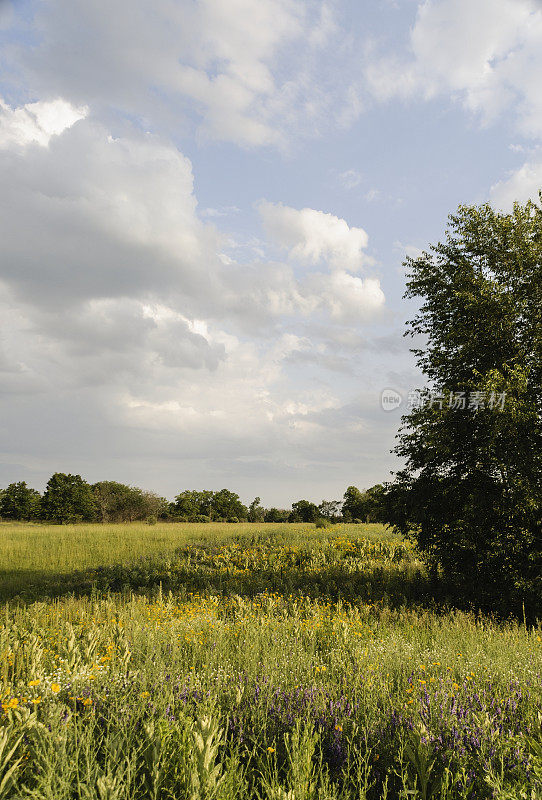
322, 523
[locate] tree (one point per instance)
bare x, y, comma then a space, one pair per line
117, 502
224, 504
353, 504
19, 501
68, 498
367, 506
374, 503
330, 510
304, 511
276, 515
470, 493
256, 511
111, 499
227, 505
191, 504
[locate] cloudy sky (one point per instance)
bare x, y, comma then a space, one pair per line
205, 207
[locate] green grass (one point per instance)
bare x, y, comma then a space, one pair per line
61, 548
224, 662
37, 560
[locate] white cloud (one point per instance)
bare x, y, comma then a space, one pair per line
313, 237
350, 297
486, 53
110, 217
245, 69
120, 292
351, 178
37, 122
523, 184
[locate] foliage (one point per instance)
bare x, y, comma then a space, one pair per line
368, 505
19, 501
276, 515
117, 502
226, 504
222, 505
330, 510
256, 512
470, 492
68, 498
304, 511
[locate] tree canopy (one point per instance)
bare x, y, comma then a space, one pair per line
470, 492
19, 502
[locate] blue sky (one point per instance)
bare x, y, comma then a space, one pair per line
205, 210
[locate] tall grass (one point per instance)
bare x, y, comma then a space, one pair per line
283, 694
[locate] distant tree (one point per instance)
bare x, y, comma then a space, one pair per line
256, 511
367, 506
276, 515
227, 505
191, 504
330, 510
375, 509
304, 511
19, 501
68, 498
470, 493
140, 504
353, 504
112, 499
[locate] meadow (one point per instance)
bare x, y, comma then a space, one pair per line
274, 662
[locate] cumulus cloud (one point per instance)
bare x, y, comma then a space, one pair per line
121, 319
37, 122
313, 237
487, 54
109, 217
351, 297
523, 184
244, 70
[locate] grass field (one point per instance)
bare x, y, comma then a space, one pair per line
253, 661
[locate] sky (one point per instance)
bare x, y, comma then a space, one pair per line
205, 208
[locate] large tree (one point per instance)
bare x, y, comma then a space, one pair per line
117, 502
68, 498
470, 493
227, 505
304, 511
19, 501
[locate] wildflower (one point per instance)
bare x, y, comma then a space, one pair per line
36, 700
144, 694
13, 703
87, 701
35, 682
338, 727
55, 688
270, 749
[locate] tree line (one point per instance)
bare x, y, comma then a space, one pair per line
69, 498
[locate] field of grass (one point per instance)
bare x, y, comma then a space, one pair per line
253, 661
